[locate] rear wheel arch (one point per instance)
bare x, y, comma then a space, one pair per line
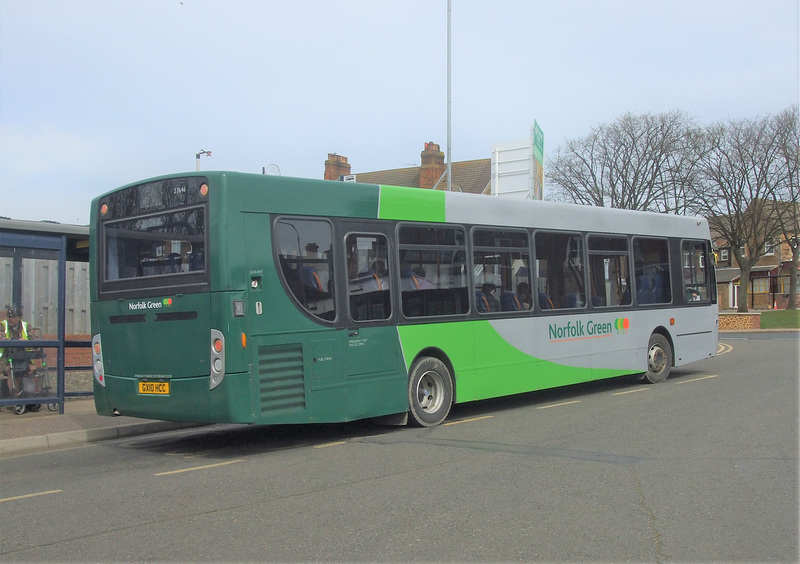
431, 388
438, 353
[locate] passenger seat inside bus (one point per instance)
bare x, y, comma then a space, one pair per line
482, 304
644, 292
509, 302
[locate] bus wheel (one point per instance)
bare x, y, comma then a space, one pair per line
430, 391
659, 359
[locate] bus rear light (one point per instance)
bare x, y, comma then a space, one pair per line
217, 360
204, 189
104, 209
97, 361
244, 341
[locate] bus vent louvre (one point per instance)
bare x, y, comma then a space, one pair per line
281, 379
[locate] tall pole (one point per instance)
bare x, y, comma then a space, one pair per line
449, 159
197, 158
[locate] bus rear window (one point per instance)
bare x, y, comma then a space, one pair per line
170, 243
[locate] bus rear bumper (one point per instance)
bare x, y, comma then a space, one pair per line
185, 399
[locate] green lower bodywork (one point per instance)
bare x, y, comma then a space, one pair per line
331, 376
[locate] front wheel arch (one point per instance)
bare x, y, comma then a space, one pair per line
659, 358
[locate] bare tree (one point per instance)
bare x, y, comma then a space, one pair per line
786, 129
639, 162
740, 170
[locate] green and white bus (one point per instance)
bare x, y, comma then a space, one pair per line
246, 298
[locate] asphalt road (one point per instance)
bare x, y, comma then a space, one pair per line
703, 467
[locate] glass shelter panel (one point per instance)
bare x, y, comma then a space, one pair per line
29, 299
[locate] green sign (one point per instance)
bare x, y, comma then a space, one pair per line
538, 143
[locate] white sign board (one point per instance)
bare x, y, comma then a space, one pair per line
515, 171
512, 169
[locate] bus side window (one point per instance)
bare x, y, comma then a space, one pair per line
501, 262
433, 270
695, 275
652, 272
609, 271
368, 276
559, 270
305, 256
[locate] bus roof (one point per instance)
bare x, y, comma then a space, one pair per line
416, 204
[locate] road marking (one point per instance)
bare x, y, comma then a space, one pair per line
559, 404
723, 348
199, 467
187, 454
326, 445
468, 420
698, 379
26, 496
629, 392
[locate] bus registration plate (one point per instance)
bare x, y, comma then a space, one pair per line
154, 387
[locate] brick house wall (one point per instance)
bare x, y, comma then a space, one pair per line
765, 273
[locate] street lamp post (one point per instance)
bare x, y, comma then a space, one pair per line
449, 99
197, 158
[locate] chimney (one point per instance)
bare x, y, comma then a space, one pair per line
432, 165
336, 166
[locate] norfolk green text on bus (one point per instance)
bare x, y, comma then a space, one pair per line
247, 298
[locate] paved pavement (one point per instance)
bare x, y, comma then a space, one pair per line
80, 424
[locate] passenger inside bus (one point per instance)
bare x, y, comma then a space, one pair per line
524, 295
415, 279
309, 275
486, 302
380, 277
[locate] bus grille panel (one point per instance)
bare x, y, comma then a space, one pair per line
281, 380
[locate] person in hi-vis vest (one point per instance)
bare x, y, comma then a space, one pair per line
11, 328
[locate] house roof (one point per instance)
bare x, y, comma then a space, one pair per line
468, 176
725, 275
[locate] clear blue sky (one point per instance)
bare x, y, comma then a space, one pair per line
96, 94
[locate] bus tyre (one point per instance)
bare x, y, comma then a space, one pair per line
659, 359
430, 392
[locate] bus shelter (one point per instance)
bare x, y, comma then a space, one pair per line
43, 275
